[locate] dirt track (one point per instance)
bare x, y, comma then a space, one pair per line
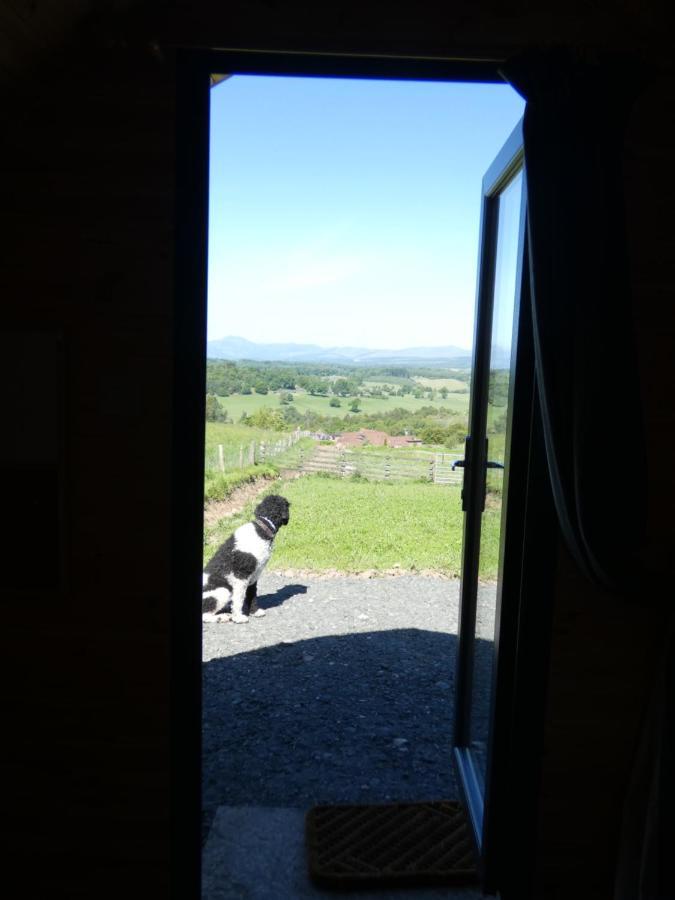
222, 509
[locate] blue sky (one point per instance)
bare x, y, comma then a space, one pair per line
345, 211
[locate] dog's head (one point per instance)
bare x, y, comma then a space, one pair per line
274, 508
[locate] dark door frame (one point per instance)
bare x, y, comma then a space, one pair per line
194, 71
490, 811
507, 163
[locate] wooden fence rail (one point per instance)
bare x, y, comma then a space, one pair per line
434, 467
421, 466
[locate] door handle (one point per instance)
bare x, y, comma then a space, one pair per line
464, 464
490, 464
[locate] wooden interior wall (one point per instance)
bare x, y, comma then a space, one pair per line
87, 208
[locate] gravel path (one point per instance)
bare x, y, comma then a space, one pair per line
343, 692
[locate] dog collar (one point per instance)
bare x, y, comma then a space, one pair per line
262, 519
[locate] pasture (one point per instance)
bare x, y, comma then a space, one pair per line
238, 404
389, 381
452, 384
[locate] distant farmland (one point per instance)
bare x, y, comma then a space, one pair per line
237, 404
452, 384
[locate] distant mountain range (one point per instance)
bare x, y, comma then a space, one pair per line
238, 348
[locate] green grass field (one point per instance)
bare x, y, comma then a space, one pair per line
389, 381
236, 442
452, 384
353, 526
234, 436
236, 404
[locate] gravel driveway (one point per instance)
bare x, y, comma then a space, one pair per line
343, 692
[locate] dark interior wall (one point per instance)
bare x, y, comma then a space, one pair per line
87, 207
602, 667
605, 652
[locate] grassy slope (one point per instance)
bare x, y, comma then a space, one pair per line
356, 526
219, 485
236, 435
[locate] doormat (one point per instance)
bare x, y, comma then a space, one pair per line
393, 845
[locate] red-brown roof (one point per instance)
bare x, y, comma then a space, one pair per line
374, 438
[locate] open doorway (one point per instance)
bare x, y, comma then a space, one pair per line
344, 691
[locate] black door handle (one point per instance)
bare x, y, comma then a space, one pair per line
490, 464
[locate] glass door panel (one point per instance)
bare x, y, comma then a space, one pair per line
499, 378
501, 393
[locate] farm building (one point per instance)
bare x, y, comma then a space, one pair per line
350, 440
365, 436
102, 703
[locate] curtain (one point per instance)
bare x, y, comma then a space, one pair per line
644, 858
588, 383
585, 360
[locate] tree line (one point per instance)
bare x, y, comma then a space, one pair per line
224, 378
429, 423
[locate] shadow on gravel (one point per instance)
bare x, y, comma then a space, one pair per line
361, 717
267, 601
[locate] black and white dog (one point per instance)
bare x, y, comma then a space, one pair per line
233, 572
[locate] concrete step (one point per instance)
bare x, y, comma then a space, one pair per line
258, 853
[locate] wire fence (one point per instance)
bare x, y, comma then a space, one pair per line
229, 457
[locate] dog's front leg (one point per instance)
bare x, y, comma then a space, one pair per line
238, 598
251, 606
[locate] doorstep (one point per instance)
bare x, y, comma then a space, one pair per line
258, 853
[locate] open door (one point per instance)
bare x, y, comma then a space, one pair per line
494, 485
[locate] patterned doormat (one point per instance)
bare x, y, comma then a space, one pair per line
394, 845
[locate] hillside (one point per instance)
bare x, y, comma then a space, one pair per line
238, 348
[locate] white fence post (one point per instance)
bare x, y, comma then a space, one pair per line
221, 460
241, 456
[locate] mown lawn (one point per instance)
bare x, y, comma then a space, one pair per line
355, 526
